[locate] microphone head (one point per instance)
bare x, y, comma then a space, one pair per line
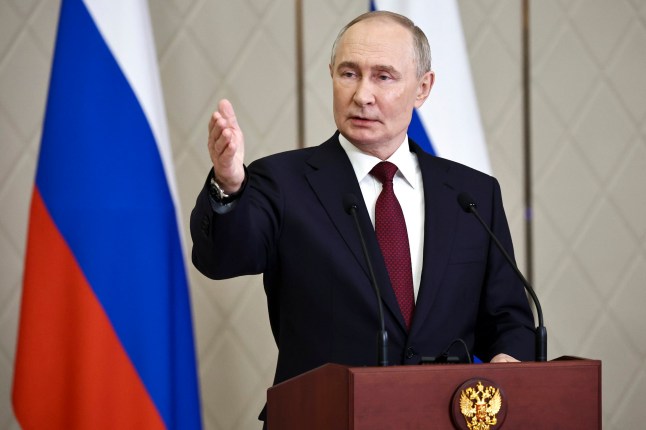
350, 203
467, 203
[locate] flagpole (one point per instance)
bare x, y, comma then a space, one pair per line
527, 141
300, 79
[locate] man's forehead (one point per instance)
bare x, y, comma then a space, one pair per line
378, 45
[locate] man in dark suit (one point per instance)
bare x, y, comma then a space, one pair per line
285, 217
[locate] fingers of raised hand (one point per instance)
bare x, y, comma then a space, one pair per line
225, 109
225, 137
219, 131
223, 124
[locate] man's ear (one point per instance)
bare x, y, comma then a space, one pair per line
424, 88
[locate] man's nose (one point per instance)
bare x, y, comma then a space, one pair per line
364, 94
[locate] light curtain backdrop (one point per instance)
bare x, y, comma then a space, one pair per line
589, 164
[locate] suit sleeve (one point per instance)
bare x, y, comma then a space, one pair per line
239, 241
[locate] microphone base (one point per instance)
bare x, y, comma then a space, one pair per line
382, 348
541, 343
442, 359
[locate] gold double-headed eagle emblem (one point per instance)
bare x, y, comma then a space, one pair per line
480, 405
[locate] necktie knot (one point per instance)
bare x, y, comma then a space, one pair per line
384, 172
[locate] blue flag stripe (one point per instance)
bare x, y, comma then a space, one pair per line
417, 132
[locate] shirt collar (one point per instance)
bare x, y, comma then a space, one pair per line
403, 158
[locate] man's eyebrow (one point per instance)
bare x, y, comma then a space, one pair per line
347, 64
376, 68
386, 68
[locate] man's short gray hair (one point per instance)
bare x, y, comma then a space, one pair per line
421, 51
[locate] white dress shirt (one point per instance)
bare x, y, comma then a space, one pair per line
409, 190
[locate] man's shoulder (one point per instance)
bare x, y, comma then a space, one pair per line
299, 155
430, 161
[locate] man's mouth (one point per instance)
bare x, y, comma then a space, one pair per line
362, 119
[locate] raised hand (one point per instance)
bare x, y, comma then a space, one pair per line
226, 148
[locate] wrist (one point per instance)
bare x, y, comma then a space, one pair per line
224, 194
228, 184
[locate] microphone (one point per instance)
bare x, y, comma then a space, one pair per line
468, 204
350, 204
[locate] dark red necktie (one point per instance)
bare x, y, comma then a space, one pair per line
390, 227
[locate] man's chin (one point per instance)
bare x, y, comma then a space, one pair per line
361, 141
361, 135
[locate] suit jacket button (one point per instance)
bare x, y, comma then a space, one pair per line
410, 352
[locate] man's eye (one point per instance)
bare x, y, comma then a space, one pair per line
347, 74
384, 77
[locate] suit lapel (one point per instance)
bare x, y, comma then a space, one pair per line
331, 178
441, 210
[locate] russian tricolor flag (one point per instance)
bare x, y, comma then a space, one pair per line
448, 124
105, 335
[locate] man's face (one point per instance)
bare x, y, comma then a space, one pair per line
375, 85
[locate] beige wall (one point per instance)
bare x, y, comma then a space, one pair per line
589, 149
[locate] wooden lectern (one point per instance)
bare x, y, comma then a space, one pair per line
561, 394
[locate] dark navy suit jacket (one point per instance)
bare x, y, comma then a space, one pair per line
291, 225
